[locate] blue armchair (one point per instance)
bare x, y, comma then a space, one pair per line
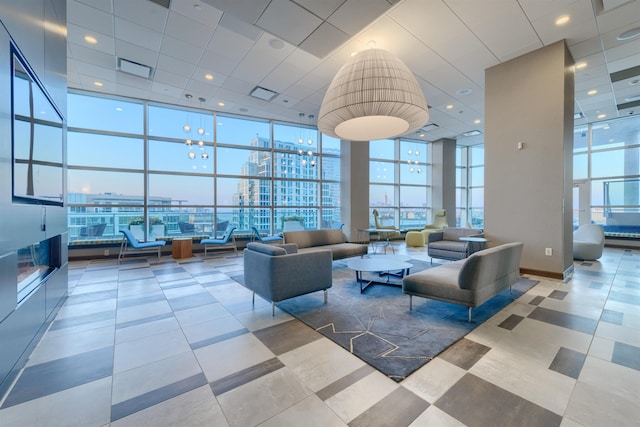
131, 244
265, 239
228, 240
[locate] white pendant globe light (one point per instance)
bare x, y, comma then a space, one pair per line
373, 96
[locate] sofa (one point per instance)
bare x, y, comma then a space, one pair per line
446, 244
279, 272
470, 281
588, 242
333, 240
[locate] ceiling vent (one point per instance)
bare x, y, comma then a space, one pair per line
134, 68
578, 116
429, 127
163, 3
474, 132
263, 94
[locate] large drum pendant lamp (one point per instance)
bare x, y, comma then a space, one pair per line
373, 96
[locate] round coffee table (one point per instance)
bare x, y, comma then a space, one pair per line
383, 265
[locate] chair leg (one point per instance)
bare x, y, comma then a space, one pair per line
469, 314
273, 309
410, 302
253, 299
325, 295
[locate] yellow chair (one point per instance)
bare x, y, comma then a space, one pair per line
439, 223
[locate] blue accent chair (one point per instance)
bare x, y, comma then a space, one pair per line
227, 240
265, 239
131, 244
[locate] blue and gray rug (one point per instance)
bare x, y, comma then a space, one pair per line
378, 327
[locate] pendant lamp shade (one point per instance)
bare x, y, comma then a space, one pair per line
373, 96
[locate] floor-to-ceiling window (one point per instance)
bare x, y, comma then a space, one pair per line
470, 186
399, 182
606, 163
165, 171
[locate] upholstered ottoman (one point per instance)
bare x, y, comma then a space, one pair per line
414, 238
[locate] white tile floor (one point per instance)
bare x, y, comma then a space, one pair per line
150, 344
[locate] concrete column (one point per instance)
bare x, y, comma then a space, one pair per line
354, 187
529, 157
443, 178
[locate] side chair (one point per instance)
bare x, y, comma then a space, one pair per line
227, 240
131, 244
264, 239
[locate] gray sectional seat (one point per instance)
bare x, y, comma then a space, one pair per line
279, 272
471, 281
333, 240
446, 244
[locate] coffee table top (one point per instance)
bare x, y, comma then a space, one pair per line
378, 263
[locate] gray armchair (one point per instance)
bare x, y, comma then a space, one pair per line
279, 272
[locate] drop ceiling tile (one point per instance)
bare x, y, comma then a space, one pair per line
136, 53
223, 38
136, 34
354, 15
245, 29
204, 14
103, 5
167, 91
75, 35
218, 79
133, 81
170, 79
322, 9
145, 13
216, 65
97, 72
90, 19
324, 40
93, 56
180, 50
174, 65
182, 28
624, 16
288, 21
245, 10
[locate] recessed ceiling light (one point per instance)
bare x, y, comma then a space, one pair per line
563, 20
276, 44
449, 107
592, 92
581, 65
118, 108
602, 116
208, 76
99, 84
476, 121
628, 35
221, 104
90, 39
464, 92
632, 98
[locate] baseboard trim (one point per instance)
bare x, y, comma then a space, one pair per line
551, 274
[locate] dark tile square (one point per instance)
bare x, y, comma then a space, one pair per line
191, 301
536, 300
565, 320
478, 403
219, 338
61, 374
400, 408
611, 316
465, 353
286, 336
245, 376
344, 382
559, 295
568, 362
511, 322
169, 270
626, 355
625, 298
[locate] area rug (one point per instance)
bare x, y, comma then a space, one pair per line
378, 327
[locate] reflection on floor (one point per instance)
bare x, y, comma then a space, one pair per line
178, 343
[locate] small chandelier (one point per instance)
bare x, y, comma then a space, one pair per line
373, 96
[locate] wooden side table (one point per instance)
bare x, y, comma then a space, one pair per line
181, 248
